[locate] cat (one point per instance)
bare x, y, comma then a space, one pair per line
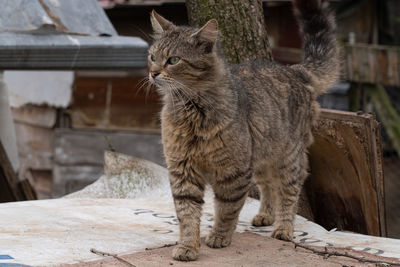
225, 125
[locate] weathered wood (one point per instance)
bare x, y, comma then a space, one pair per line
242, 29
27, 190
345, 187
11, 189
39, 116
34, 128
387, 113
392, 189
373, 64
354, 96
35, 146
118, 103
8, 179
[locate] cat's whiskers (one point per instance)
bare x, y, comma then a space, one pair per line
142, 82
172, 97
182, 92
178, 93
147, 89
145, 84
190, 94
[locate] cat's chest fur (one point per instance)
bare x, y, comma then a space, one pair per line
196, 141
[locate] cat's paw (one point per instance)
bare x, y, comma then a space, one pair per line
184, 253
218, 241
262, 219
284, 234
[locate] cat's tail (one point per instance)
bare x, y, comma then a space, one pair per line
320, 50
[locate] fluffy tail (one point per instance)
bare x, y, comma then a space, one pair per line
318, 28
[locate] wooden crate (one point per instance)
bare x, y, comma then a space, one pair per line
376, 64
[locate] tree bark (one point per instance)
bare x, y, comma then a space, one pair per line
243, 35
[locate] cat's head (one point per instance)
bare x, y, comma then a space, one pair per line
180, 56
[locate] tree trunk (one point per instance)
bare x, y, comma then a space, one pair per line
243, 35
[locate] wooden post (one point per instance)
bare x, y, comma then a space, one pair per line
8, 179
11, 189
7, 131
387, 113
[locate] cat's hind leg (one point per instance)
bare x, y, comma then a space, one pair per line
230, 195
266, 214
291, 178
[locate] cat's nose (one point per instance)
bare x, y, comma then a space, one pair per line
154, 73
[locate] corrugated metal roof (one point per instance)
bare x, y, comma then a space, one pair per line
112, 3
46, 16
71, 52
107, 4
64, 34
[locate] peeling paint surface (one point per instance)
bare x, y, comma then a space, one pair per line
51, 232
51, 88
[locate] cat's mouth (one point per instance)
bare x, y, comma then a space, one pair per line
155, 80
161, 81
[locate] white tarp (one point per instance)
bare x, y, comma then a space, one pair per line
58, 231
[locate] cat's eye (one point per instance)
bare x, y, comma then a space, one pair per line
153, 58
173, 60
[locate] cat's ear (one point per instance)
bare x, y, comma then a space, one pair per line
159, 24
209, 32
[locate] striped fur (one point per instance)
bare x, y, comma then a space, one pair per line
225, 125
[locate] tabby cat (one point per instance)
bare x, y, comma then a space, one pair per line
225, 125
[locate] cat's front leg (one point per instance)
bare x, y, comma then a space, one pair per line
188, 192
230, 194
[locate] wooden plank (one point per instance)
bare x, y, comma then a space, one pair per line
373, 64
40, 116
393, 67
392, 189
27, 190
117, 103
345, 187
35, 146
8, 179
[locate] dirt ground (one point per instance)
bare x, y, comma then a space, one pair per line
247, 250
